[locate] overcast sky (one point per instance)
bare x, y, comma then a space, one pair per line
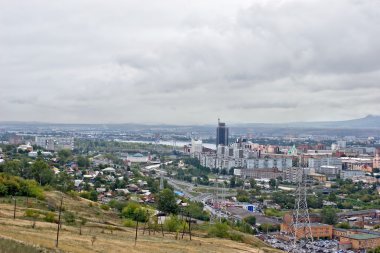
188, 61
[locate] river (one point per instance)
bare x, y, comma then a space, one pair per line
177, 143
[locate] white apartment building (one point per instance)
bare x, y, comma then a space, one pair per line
349, 174
317, 162
196, 146
55, 143
328, 170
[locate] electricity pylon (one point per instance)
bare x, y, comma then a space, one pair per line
300, 226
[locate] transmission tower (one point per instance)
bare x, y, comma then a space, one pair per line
214, 217
300, 226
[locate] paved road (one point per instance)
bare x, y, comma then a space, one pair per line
186, 188
181, 186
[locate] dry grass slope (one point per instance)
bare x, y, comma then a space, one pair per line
119, 239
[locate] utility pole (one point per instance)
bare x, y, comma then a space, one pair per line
189, 224
14, 208
137, 226
59, 222
162, 227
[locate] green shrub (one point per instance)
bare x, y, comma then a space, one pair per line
73, 194
344, 225
32, 213
268, 227
244, 227
8, 245
3, 190
129, 223
69, 217
48, 188
49, 217
376, 250
236, 237
251, 220
12, 185
219, 230
172, 224
105, 207
271, 212
92, 195
85, 195
195, 210
119, 205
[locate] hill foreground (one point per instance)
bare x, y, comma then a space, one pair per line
102, 233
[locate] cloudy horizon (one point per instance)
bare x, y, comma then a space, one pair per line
189, 62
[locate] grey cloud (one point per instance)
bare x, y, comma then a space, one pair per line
266, 105
126, 61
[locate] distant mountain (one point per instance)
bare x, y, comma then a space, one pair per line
370, 121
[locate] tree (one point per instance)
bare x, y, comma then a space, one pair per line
376, 250
13, 167
195, 210
283, 199
239, 182
242, 196
167, 202
332, 197
314, 201
329, 215
94, 195
344, 225
64, 155
64, 182
233, 182
253, 183
82, 222
135, 212
251, 220
272, 183
83, 162
41, 172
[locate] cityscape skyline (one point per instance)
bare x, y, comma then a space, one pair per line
243, 61
199, 126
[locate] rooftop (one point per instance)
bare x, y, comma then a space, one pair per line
357, 212
363, 236
313, 224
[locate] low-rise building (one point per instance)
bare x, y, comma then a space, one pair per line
360, 241
349, 174
330, 171
26, 148
270, 173
318, 230
318, 177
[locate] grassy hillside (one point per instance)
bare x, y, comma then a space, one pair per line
103, 227
12, 246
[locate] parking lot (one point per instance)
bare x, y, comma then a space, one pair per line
317, 246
